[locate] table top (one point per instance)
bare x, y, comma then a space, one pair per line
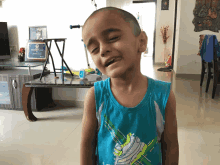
21, 64
19, 72
69, 81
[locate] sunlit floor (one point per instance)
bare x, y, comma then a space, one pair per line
56, 139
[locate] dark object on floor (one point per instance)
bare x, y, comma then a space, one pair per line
167, 69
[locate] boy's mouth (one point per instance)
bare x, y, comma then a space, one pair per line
113, 61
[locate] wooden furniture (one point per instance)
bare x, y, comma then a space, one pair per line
210, 74
49, 81
203, 72
215, 75
11, 83
204, 69
214, 64
206, 64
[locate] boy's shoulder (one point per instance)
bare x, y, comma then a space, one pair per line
157, 84
159, 81
151, 81
102, 83
160, 89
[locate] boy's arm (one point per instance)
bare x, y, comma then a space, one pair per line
89, 127
169, 138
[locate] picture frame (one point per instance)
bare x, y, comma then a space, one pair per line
36, 51
164, 4
37, 32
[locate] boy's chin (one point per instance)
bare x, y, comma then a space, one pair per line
112, 74
115, 74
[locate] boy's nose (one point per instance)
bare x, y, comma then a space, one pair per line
104, 48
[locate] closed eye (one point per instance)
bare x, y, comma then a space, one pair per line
114, 38
110, 40
94, 50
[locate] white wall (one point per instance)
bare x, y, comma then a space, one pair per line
163, 18
177, 36
188, 61
146, 20
57, 15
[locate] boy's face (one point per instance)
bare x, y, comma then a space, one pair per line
104, 43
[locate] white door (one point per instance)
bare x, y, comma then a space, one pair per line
145, 14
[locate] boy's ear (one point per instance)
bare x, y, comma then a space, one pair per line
142, 42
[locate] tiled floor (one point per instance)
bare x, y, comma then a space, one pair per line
55, 139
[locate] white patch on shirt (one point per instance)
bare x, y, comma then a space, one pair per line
98, 115
159, 121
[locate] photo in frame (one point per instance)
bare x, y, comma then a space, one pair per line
36, 51
164, 4
37, 32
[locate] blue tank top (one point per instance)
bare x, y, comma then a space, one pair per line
130, 135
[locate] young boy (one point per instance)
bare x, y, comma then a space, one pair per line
123, 121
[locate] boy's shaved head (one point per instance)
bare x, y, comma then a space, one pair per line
112, 33
128, 17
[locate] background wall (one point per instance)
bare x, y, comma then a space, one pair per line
187, 61
163, 18
59, 15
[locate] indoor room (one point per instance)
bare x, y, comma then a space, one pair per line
46, 71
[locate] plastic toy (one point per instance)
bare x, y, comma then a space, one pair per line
90, 71
82, 74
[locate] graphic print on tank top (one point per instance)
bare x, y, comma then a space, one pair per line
129, 149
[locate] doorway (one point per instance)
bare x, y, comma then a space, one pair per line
145, 13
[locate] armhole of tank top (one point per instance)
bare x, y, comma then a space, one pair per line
159, 121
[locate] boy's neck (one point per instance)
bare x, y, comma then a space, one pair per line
129, 84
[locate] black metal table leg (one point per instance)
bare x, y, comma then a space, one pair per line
63, 59
61, 55
51, 57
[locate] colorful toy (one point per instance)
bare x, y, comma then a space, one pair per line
90, 71
74, 72
168, 61
83, 72
63, 68
21, 54
98, 72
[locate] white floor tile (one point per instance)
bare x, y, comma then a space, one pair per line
55, 138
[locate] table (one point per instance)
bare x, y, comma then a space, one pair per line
47, 83
21, 64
